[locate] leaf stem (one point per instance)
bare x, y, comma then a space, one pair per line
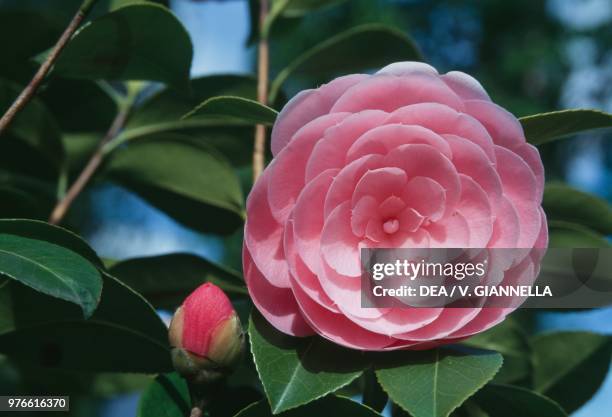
263, 67
61, 208
30, 90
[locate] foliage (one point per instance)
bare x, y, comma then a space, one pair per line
184, 147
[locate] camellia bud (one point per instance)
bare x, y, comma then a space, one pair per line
206, 335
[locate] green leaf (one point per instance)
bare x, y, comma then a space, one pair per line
163, 113
232, 108
38, 230
293, 8
80, 105
512, 401
328, 406
51, 269
509, 339
296, 371
570, 235
435, 382
34, 125
343, 53
545, 127
187, 180
167, 279
166, 396
562, 202
171, 104
125, 334
135, 42
21, 202
570, 366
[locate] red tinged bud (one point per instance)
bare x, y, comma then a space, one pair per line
206, 334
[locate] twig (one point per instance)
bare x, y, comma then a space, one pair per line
30, 90
263, 65
75, 189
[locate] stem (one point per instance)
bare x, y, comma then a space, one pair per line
263, 65
30, 90
60, 210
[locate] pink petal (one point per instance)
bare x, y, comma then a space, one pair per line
475, 208
380, 183
425, 161
426, 196
518, 180
449, 232
345, 182
289, 167
308, 219
410, 220
330, 152
470, 160
444, 120
277, 305
337, 328
383, 139
465, 86
305, 278
362, 213
506, 227
531, 156
450, 320
390, 92
503, 127
339, 246
263, 235
307, 106
408, 68
391, 206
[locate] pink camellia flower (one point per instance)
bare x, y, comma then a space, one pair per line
402, 158
206, 328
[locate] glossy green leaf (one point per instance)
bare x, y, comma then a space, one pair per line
80, 105
562, 202
125, 334
233, 108
166, 396
571, 235
38, 230
187, 180
296, 371
343, 53
166, 280
509, 339
51, 269
512, 401
570, 366
171, 104
293, 8
163, 113
34, 125
328, 406
433, 383
544, 127
19, 202
135, 42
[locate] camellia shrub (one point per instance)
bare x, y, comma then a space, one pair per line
380, 151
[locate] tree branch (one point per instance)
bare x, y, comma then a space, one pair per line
263, 66
60, 210
30, 90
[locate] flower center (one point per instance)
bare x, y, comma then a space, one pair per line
391, 226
